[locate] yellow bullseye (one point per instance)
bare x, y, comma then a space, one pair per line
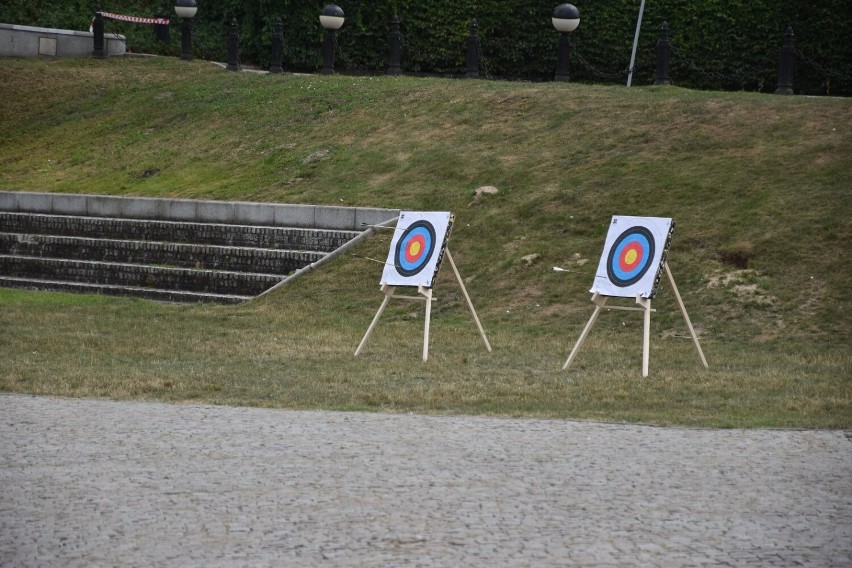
630, 257
414, 248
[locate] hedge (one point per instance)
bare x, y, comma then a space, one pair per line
725, 45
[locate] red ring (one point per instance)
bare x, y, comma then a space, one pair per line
622, 261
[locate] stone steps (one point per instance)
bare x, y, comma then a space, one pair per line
211, 257
222, 234
137, 275
174, 250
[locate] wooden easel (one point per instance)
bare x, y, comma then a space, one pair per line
645, 307
425, 294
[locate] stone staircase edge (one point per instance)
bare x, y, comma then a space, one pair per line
202, 211
159, 294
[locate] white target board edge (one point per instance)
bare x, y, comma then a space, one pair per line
417, 248
622, 270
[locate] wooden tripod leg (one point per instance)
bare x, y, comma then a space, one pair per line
646, 335
467, 297
428, 293
599, 304
388, 292
686, 316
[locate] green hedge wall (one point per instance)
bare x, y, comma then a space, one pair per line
728, 45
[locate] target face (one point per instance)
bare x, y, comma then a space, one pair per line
632, 258
417, 248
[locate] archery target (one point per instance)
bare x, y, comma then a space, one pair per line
632, 258
417, 248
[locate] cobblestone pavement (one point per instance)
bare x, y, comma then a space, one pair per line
98, 483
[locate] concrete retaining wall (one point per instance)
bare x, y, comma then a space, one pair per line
196, 211
27, 41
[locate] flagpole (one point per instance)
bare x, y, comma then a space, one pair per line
635, 42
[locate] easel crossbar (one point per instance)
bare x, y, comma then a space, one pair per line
628, 309
645, 303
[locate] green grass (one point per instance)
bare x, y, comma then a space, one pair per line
759, 186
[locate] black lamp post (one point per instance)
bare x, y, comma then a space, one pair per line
566, 18
186, 9
331, 19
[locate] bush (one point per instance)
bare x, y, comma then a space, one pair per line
730, 45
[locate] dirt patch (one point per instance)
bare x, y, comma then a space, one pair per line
744, 286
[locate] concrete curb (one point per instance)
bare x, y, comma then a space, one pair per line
200, 211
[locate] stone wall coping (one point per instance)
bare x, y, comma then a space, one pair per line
199, 211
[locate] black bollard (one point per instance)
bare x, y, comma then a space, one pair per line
394, 67
161, 31
785, 65
277, 51
186, 39
98, 31
664, 55
234, 46
473, 52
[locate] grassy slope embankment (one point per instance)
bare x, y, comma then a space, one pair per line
759, 186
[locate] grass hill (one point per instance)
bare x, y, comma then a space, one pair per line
758, 185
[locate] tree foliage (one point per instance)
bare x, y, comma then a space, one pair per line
730, 44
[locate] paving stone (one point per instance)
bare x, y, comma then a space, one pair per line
104, 483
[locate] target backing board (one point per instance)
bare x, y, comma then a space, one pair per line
417, 248
633, 256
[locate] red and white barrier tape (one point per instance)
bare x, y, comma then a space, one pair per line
160, 21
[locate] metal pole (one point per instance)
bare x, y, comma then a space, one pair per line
388, 224
186, 39
563, 60
635, 42
328, 53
